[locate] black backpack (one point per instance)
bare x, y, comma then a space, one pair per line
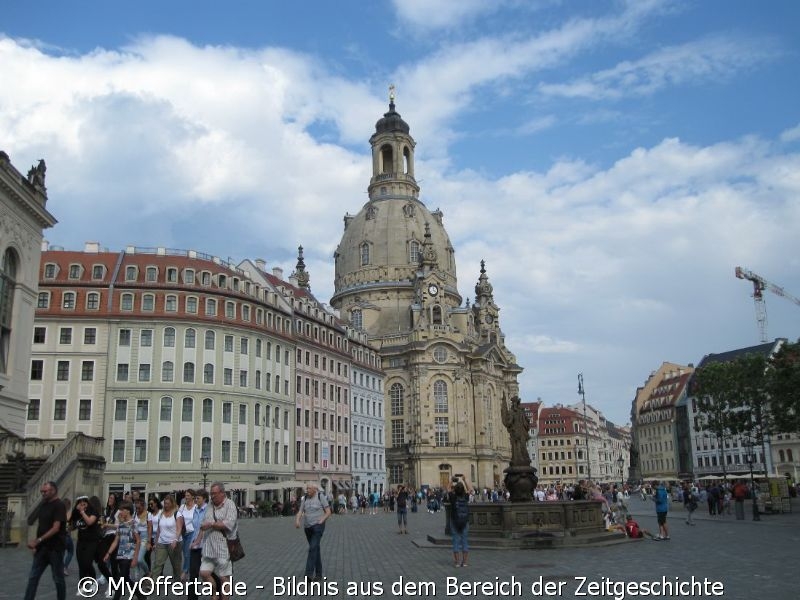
460, 513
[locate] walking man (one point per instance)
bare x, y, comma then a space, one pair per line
314, 510
50, 543
219, 523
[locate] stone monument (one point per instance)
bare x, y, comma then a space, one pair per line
520, 477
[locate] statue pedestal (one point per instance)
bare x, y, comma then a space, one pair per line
520, 482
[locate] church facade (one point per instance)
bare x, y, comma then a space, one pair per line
447, 366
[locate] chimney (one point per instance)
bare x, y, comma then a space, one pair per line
277, 272
91, 247
261, 264
45, 245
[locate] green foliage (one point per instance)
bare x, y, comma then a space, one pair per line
784, 388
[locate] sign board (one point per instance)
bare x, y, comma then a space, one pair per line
326, 456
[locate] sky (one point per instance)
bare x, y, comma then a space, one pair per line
611, 161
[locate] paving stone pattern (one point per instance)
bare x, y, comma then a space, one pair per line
751, 559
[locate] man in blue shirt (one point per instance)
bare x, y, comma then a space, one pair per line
661, 498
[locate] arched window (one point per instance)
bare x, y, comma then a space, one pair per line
396, 394
364, 254
188, 372
440, 396
386, 159
208, 373
436, 315
187, 410
789, 457
186, 449
169, 337
781, 456
208, 410
167, 371
8, 282
256, 453
205, 448
413, 252
189, 338
164, 448
357, 319
210, 339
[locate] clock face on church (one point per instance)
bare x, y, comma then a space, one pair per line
433, 289
489, 319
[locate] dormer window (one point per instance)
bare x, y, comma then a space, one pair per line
222, 281
188, 276
74, 271
98, 271
151, 274
172, 275
130, 273
50, 271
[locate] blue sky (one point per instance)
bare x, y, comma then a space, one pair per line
612, 161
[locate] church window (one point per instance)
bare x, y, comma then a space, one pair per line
442, 429
386, 159
407, 161
440, 396
357, 319
413, 252
440, 354
364, 254
396, 396
398, 433
436, 315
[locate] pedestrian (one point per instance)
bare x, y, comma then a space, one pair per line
169, 544
154, 509
125, 545
108, 523
85, 520
739, 495
48, 547
689, 503
69, 549
402, 509
458, 497
195, 543
220, 523
314, 511
141, 518
186, 511
661, 498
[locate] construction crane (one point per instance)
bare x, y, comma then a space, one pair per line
759, 285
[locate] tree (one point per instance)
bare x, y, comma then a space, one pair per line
783, 384
714, 386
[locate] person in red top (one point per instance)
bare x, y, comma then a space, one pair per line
739, 495
634, 531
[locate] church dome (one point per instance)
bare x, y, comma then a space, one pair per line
391, 122
383, 245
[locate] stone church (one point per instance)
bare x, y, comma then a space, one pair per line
447, 366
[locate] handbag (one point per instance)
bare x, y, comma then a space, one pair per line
235, 548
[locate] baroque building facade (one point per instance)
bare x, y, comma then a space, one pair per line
23, 217
169, 356
447, 366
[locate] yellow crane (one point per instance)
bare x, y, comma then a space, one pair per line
759, 285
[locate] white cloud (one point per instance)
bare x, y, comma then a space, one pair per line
441, 14
711, 59
791, 135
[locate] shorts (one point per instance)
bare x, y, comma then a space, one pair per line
223, 567
662, 518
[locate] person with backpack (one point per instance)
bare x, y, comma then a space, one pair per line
458, 497
661, 498
402, 509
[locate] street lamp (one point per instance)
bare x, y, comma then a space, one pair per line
204, 462
582, 392
621, 465
750, 457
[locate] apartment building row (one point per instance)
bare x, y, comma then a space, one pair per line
570, 443
176, 356
670, 441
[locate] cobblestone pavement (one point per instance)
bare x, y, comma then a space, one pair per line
749, 559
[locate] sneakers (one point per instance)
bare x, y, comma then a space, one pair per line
102, 581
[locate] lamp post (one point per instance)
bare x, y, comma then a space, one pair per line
750, 457
621, 465
204, 462
585, 426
